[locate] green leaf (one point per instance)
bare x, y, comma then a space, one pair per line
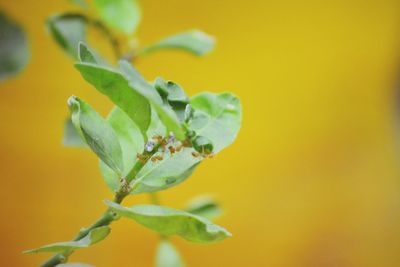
203, 144
68, 30
121, 15
14, 50
168, 221
99, 136
195, 41
85, 55
174, 95
204, 206
217, 117
165, 112
156, 127
74, 265
94, 236
71, 136
160, 175
112, 84
171, 91
167, 255
131, 141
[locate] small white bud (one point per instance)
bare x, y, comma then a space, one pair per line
149, 146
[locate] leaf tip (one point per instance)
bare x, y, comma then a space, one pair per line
228, 234
29, 251
81, 47
73, 101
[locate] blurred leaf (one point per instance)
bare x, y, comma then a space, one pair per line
121, 15
131, 141
82, 3
168, 221
100, 137
71, 136
195, 41
165, 112
116, 87
205, 207
167, 255
85, 55
14, 50
68, 30
94, 236
74, 265
160, 175
217, 117
174, 95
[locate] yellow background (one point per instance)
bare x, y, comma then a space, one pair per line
312, 179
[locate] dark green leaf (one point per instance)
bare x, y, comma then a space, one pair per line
99, 136
121, 15
85, 55
171, 91
112, 84
216, 117
14, 50
165, 112
68, 30
205, 207
131, 141
167, 255
168, 221
203, 145
94, 236
71, 136
195, 41
174, 95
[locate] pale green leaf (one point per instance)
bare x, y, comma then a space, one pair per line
131, 141
97, 133
165, 112
160, 175
71, 136
195, 41
121, 15
216, 117
156, 127
94, 236
204, 206
167, 255
112, 84
14, 50
168, 222
68, 30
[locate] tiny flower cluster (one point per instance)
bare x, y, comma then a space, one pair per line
161, 144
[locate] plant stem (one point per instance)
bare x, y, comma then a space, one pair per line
107, 217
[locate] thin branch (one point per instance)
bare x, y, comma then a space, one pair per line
107, 218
